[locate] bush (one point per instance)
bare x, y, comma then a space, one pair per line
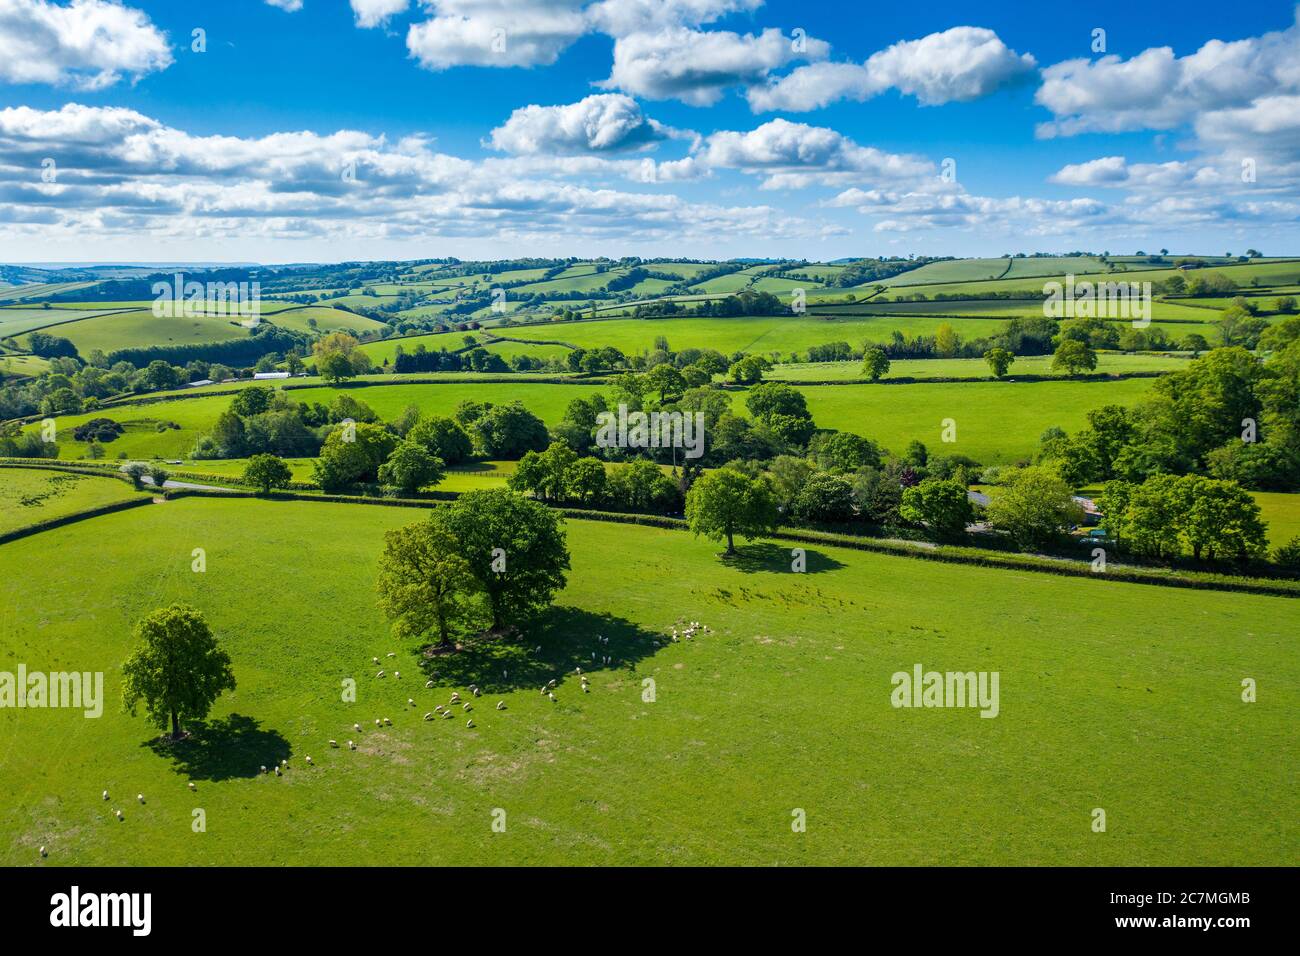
98, 429
1288, 555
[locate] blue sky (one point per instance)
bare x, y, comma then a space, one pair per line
329, 129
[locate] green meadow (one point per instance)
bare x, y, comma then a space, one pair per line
783, 706
1111, 363
31, 496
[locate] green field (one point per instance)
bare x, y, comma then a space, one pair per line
784, 706
1112, 363
18, 321
125, 330
30, 496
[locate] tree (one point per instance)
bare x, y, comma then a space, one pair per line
587, 481
666, 380
425, 584
1034, 508
946, 340
726, 503
508, 431
769, 399
443, 438
499, 529
409, 468
1074, 356
265, 472
941, 506
335, 368
546, 473
177, 669
136, 471
825, 499
1113, 504
353, 453
1223, 518
875, 363
1155, 515
749, 370
252, 400
999, 361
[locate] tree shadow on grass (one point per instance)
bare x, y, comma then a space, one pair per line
555, 645
234, 746
768, 556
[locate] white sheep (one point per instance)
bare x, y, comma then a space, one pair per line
397, 674
380, 674
501, 705
378, 722
446, 714
586, 689
470, 722
351, 745
263, 768
284, 762
308, 759
277, 772
105, 794
551, 683
477, 692
467, 707
334, 743
140, 797
357, 728
552, 696
428, 684
410, 702
119, 814
429, 716
375, 659
392, 654
192, 787
43, 853
387, 722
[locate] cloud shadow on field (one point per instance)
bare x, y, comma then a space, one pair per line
223, 749
776, 558
567, 636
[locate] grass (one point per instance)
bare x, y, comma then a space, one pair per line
126, 330
18, 321
785, 705
997, 422
1108, 362
31, 496
1282, 512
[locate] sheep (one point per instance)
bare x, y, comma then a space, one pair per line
119, 814
552, 682
397, 674
477, 692
387, 722
378, 722
334, 743
351, 745
586, 689
447, 714
43, 852
470, 722
277, 772
263, 768
537, 649
410, 702
552, 696
392, 654
308, 759
375, 659
455, 697
429, 716
380, 674
504, 675
284, 762
140, 797
192, 787
357, 728
501, 705
438, 709
105, 794
428, 685
577, 670
468, 708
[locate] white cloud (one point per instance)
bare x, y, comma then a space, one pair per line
374, 13
1158, 90
495, 32
698, 67
959, 64
605, 122
88, 44
288, 6
621, 17
123, 173
795, 155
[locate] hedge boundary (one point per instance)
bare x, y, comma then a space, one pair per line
52, 523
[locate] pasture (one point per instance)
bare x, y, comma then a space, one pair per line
785, 704
1111, 363
29, 495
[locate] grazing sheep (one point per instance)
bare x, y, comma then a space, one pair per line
140, 797
429, 716
501, 705
410, 702
334, 743
392, 654
192, 787
586, 689
428, 684
263, 768
119, 814
378, 722
277, 772
43, 853
446, 714
438, 709
351, 745
106, 792
397, 674
380, 674
375, 659
308, 761
477, 692
470, 722
284, 762
455, 697
577, 670
357, 728
468, 708
552, 696
552, 682
387, 722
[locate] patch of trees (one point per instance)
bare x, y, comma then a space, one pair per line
102, 430
1167, 516
262, 340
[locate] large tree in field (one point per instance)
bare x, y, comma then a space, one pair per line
177, 670
1074, 357
425, 584
265, 472
410, 467
515, 546
726, 503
